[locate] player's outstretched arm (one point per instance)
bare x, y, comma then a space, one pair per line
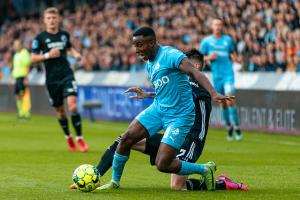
140, 93
72, 52
187, 67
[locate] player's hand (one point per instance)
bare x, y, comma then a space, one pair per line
77, 56
140, 94
54, 53
26, 80
213, 56
221, 98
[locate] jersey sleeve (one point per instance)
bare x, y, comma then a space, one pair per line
175, 57
232, 47
68, 42
36, 45
204, 47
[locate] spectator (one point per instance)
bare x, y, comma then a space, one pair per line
102, 31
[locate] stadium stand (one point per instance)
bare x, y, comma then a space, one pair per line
266, 33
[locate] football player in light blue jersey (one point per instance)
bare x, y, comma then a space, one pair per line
218, 48
172, 110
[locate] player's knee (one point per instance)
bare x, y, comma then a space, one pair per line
127, 141
60, 112
72, 108
162, 164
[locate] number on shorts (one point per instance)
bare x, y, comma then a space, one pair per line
182, 152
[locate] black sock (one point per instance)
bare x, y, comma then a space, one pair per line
195, 184
107, 158
76, 121
220, 185
64, 125
238, 131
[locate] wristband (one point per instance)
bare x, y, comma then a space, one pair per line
46, 56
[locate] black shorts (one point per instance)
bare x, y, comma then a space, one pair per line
190, 150
20, 86
60, 90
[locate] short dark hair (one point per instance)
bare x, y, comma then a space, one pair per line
194, 54
144, 31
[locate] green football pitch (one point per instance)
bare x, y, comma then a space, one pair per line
35, 164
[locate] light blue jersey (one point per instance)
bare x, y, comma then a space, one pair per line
221, 67
173, 106
172, 88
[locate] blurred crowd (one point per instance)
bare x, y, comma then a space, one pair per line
266, 32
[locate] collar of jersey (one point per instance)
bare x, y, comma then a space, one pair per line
157, 54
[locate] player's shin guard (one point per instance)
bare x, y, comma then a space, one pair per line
76, 121
106, 160
118, 166
188, 168
64, 125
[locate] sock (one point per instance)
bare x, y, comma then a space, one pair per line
220, 185
76, 121
64, 125
226, 117
191, 168
233, 115
107, 158
118, 166
195, 184
19, 103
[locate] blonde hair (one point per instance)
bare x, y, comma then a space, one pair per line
51, 10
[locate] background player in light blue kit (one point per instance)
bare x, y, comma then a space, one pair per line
218, 48
172, 110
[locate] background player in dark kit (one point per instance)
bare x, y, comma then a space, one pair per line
51, 47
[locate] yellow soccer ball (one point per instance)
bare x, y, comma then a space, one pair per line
86, 177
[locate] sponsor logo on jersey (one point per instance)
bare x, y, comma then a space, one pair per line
162, 81
59, 45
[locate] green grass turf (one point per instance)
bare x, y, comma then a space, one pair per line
35, 164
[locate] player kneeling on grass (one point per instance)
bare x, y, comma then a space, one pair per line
192, 147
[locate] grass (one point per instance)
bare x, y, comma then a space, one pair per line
34, 164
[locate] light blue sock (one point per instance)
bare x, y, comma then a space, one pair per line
191, 168
118, 166
234, 115
225, 112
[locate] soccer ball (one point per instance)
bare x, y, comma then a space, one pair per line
86, 177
